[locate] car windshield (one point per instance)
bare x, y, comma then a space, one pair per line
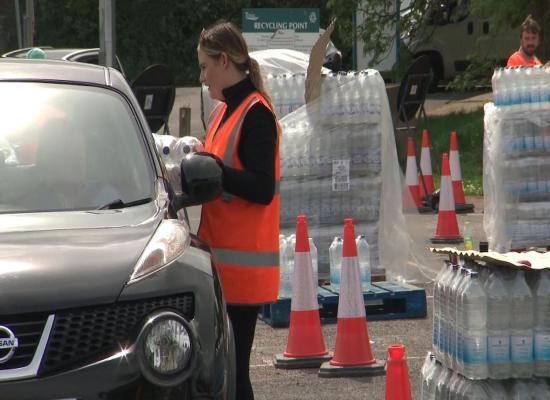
69, 147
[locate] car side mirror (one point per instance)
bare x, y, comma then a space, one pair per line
201, 180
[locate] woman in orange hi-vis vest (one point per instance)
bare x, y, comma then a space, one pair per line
242, 226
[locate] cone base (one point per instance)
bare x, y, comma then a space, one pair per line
443, 240
333, 371
464, 208
283, 362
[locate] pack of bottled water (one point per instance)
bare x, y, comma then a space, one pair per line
171, 150
331, 159
363, 256
287, 246
442, 383
522, 88
491, 322
517, 159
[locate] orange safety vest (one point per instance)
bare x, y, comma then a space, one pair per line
243, 236
518, 59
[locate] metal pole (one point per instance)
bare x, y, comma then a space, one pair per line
18, 24
107, 33
29, 23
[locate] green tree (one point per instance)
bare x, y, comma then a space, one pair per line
149, 31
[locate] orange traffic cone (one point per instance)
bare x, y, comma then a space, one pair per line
398, 386
352, 352
305, 346
426, 167
411, 176
456, 174
447, 225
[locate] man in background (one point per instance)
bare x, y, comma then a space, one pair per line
529, 41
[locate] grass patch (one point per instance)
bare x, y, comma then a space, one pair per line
469, 129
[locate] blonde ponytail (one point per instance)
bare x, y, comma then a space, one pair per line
256, 78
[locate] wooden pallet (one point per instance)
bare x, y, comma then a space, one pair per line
383, 301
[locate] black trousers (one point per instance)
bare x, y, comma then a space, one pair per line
243, 319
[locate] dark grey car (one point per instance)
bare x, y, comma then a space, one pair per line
104, 292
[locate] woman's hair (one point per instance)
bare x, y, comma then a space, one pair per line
225, 37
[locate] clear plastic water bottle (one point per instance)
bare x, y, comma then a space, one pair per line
457, 361
314, 263
437, 306
363, 255
521, 328
442, 385
468, 237
498, 328
335, 259
541, 389
521, 390
453, 308
542, 325
450, 332
444, 315
495, 389
286, 267
430, 373
474, 319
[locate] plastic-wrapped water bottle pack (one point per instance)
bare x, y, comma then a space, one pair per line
517, 160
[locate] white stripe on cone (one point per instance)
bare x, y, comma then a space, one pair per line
454, 160
350, 303
412, 176
425, 161
304, 295
446, 201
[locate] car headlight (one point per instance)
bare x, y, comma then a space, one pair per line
169, 242
166, 349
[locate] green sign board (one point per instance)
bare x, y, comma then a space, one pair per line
281, 28
300, 20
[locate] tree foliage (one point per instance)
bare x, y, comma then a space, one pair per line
149, 31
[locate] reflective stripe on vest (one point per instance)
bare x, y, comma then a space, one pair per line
245, 258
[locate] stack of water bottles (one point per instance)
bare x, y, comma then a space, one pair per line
287, 246
517, 159
363, 256
331, 161
439, 382
491, 333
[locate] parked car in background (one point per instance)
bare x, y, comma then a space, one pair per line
89, 56
104, 292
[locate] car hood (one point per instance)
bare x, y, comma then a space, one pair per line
52, 261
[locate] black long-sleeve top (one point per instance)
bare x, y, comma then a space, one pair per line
256, 148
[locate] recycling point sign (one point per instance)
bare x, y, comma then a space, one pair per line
280, 28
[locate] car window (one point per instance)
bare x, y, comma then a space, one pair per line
69, 147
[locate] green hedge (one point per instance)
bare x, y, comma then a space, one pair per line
148, 31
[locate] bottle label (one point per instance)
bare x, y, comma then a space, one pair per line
340, 175
498, 349
522, 349
542, 347
475, 349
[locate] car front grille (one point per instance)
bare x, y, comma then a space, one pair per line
87, 334
28, 330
